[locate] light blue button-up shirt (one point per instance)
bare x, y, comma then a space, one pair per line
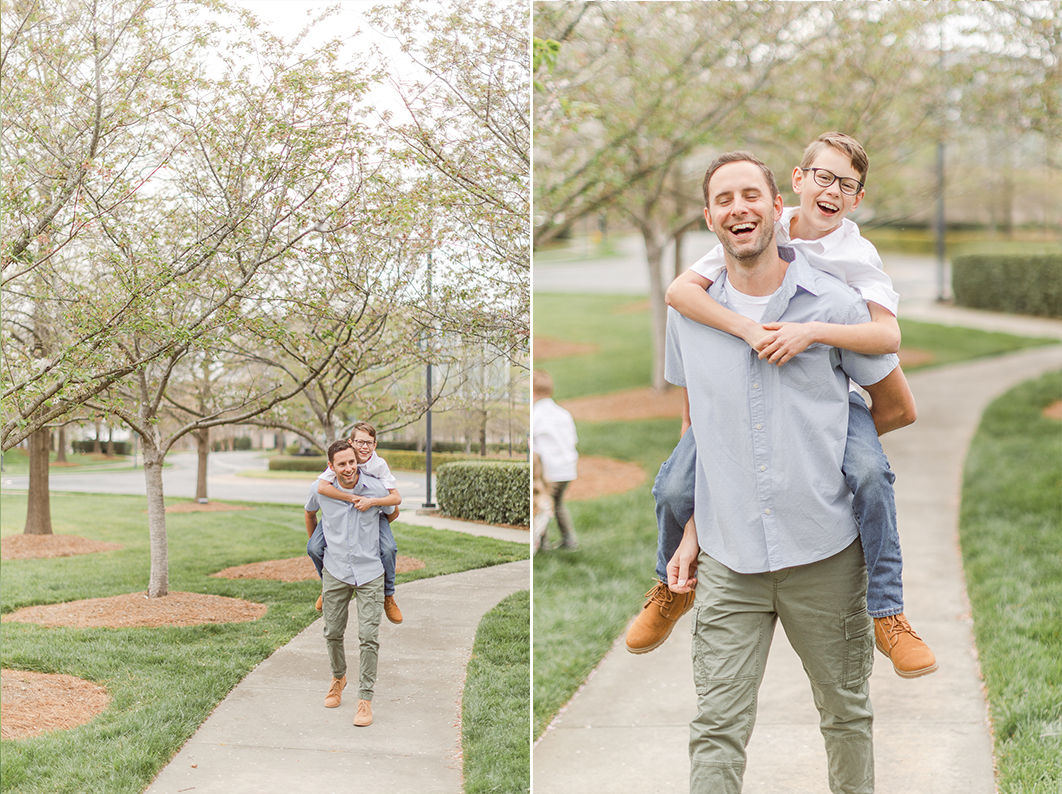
352, 536
770, 493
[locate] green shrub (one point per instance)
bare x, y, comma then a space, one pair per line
396, 459
498, 492
85, 446
298, 463
1014, 283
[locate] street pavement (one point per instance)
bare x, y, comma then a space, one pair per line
627, 728
229, 478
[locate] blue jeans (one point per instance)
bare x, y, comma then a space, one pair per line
315, 548
867, 472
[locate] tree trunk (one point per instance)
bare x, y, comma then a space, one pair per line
654, 252
110, 441
159, 581
202, 447
60, 446
96, 448
483, 434
38, 506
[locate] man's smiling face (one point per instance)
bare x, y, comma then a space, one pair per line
345, 464
741, 210
823, 208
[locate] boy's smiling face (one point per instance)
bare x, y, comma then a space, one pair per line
823, 208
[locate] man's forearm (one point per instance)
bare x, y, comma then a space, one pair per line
311, 522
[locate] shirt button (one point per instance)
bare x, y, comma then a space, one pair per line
759, 427
763, 468
755, 385
767, 512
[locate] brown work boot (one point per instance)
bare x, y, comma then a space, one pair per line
657, 619
320, 600
364, 716
335, 692
896, 639
394, 614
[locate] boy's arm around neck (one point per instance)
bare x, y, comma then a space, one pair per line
876, 338
688, 295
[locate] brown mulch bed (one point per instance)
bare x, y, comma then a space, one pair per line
1054, 410
296, 569
548, 347
207, 507
626, 406
604, 476
32, 703
25, 547
914, 357
136, 610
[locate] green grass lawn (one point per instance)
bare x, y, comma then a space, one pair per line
1011, 535
165, 681
494, 709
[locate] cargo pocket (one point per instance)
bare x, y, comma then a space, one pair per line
859, 650
699, 651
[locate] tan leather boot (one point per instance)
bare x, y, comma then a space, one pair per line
394, 614
657, 619
364, 715
320, 600
335, 692
909, 655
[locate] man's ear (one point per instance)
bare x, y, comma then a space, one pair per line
798, 180
708, 219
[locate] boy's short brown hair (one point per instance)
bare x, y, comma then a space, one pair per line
365, 427
541, 383
844, 143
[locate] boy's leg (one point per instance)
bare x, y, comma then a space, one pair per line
336, 595
563, 516
370, 608
389, 558
673, 491
866, 469
315, 548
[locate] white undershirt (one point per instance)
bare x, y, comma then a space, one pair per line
751, 306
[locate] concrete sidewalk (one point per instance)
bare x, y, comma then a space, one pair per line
627, 729
273, 735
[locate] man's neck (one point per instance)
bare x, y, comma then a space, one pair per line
762, 276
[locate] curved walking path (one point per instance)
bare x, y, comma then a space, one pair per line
627, 729
273, 735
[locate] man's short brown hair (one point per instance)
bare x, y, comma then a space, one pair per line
842, 143
338, 446
739, 157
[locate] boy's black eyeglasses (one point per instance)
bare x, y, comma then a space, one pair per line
824, 178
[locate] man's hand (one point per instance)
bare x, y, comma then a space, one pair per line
682, 569
782, 341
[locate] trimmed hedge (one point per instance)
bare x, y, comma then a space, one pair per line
1013, 283
85, 447
498, 492
396, 459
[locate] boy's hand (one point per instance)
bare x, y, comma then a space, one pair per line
785, 340
682, 568
757, 336
362, 503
